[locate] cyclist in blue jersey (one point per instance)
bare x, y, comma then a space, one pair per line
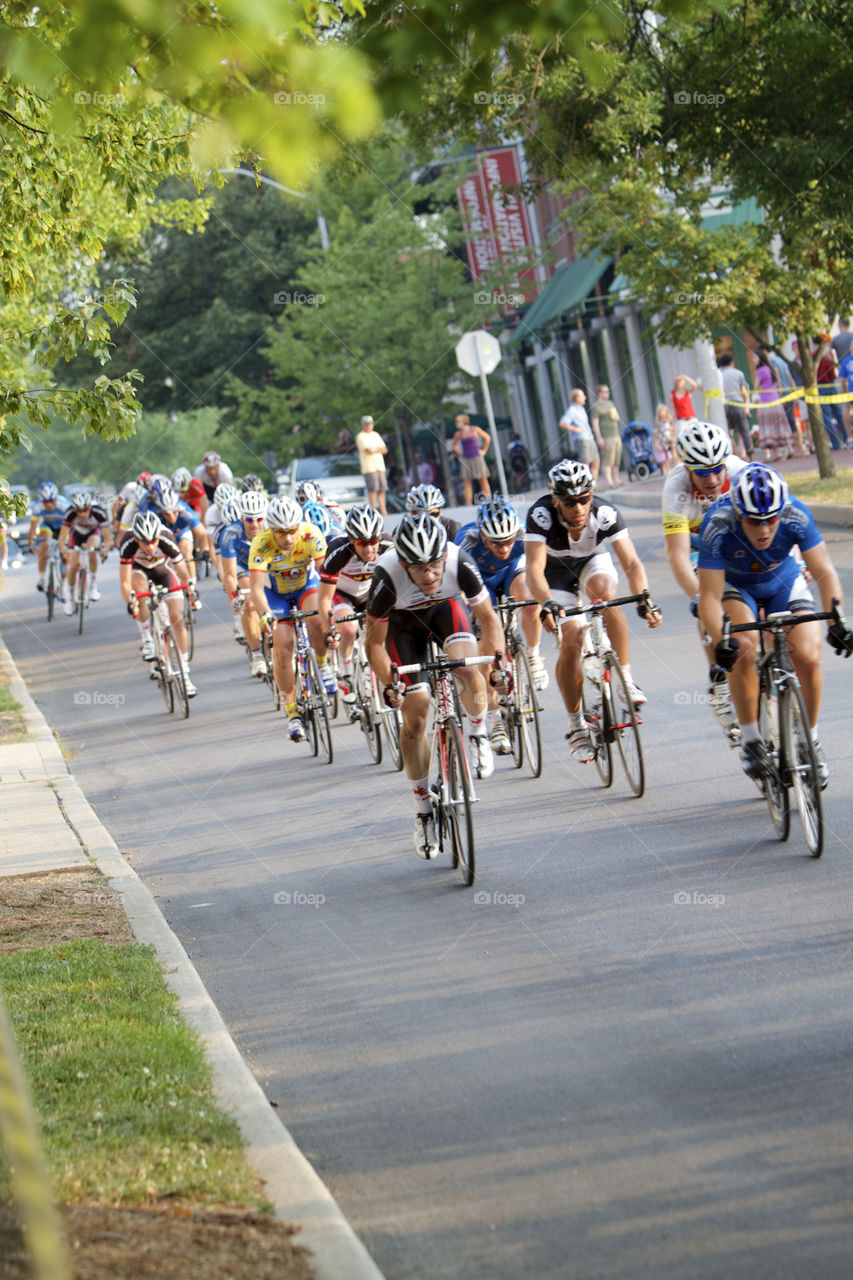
746, 569
179, 519
234, 553
494, 543
45, 522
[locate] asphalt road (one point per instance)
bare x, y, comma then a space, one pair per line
625, 1053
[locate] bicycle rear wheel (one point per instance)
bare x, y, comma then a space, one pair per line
526, 708
267, 651
775, 791
596, 710
367, 720
82, 584
460, 821
318, 710
801, 762
626, 731
177, 679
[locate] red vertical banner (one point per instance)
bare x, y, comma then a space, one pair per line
479, 236
496, 220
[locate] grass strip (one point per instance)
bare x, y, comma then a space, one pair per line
120, 1082
13, 726
808, 486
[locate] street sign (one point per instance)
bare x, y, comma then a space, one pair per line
478, 352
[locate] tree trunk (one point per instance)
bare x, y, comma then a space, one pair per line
826, 467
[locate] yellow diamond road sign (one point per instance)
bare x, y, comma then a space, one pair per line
478, 352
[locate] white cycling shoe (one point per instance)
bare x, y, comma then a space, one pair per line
425, 838
258, 665
149, 653
482, 756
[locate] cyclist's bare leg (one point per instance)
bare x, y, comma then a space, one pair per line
743, 678
347, 632
71, 576
314, 625
176, 614
414, 744
530, 624
282, 661
43, 548
569, 672
251, 622
473, 690
602, 587
804, 644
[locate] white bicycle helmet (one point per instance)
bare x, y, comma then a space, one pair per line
702, 444
182, 478
166, 499
283, 513
420, 538
146, 527
424, 497
306, 492
81, 499
364, 522
223, 492
253, 503
229, 510
570, 479
759, 491
497, 519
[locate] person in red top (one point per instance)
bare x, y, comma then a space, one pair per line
682, 390
191, 490
826, 373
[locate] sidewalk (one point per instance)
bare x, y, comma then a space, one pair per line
48, 825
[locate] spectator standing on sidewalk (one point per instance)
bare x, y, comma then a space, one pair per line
471, 444
843, 342
605, 426
736, 405
371, 460
785, 386
773, 431
582, 444
682, 402
665, 428
826, 372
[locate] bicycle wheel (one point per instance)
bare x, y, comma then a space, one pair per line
366, 710
774, 789
391, 722
160, 667
596, 710
50, 589
526, 713
189, 623
177, 678
460, 822
82, 583
801, 762
318, 705
626, 732
267, 651
332, 698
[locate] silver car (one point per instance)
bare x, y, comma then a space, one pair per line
338, 474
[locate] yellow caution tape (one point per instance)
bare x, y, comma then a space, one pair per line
42, 1229
812, 396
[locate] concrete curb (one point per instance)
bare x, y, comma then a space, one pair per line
295, 1190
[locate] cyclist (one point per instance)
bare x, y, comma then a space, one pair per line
253, 482
494, 544
150, 555
330, 520
567, 537
706, 469
183, 524
214, 522
84, 527
45, 522
237, 538
284, 565
345, 581
745, 567
417, 594
429, 498
212, 472
190, 490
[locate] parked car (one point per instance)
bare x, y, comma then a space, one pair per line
337, 473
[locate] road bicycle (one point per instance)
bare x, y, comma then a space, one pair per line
784, 727
520, 705
451, 787
612, 718
312, 701
81, 595
374, 718
53, 578
190, 597
167, 668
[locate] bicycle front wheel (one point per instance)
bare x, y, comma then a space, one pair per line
82, 584
50, 589
318, 710
596, 709
626, 731
774, 788
801, 763
267, 651
177, 678
460, 821
161, 667
189, 623
366, 709
392, 720
526, 713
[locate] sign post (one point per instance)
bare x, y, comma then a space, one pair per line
478, 352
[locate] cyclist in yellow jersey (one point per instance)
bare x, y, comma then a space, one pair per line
284, 564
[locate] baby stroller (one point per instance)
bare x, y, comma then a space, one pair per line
639, 455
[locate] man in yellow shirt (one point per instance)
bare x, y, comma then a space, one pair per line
371, 459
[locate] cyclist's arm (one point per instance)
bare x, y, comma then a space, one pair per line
824, 574
632, 566
257, 581
710, 603
491, 631
32, 532
537, 557
678, 555
107, 535
324, 603
229, 574
125, 572
375, 635
64, 534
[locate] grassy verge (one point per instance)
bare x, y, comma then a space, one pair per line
120, 1083
808, 486
13, 726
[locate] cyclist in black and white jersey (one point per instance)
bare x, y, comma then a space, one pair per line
429, 498
86, 527
150, 555
417, 593
567, 542
345, 580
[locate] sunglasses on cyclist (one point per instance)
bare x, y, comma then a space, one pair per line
759, 520
253, 519
287, 532
707, 471
366, 542
580, 501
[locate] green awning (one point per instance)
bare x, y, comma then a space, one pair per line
568, 288
739, 215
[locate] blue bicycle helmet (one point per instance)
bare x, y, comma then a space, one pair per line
759, 491
48, 491
318, 516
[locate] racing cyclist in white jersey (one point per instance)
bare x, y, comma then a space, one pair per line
417, 593
704, 473
345, 582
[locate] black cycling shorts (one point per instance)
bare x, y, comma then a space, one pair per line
410, 631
